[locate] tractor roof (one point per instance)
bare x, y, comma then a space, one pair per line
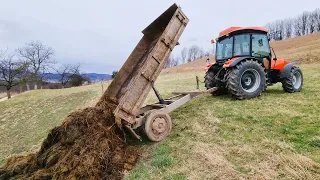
236, 28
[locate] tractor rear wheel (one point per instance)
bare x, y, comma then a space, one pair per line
210, 82
246, 80
294, 82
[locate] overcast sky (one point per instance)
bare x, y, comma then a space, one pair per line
100, 34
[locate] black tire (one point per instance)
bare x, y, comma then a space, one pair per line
210, 82
246, 80
294, 82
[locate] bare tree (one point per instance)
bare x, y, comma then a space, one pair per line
65, 72
298, 26
304, 21
39, 57
279, 30
288, 28
175, 61
184, 55
172, 61
193, 53
317, 19
11, 71
312, 19
114, 73
207, 53
201, 54
271, 28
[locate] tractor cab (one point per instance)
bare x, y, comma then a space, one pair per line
244, 65
242, 42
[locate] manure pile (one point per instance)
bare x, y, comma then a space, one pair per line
87, 145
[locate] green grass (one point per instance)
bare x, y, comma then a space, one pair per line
274, 136
162, 159
26, 119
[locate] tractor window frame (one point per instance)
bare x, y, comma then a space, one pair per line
233, 45
223, 45
268, 52
241, 43
250, 54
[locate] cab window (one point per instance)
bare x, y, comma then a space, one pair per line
260, 46
241, 45
224, 48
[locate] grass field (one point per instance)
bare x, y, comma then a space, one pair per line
273, 136
26, 119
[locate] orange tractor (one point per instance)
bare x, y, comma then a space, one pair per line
244, 65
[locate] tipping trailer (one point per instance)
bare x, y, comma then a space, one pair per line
129, 89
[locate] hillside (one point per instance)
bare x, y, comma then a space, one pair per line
302, 49
274, 136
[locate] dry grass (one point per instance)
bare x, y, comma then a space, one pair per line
26, 119
275, 136
2, 95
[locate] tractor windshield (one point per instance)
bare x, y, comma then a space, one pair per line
224, 48
241, 47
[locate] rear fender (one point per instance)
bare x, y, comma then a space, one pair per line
285, 72
209, 66
234, 61
214, 68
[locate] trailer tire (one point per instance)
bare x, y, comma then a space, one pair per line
157, 125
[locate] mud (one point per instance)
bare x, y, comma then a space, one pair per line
87, 145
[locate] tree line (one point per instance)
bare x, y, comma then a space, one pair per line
305, 23
188, 54
30, 64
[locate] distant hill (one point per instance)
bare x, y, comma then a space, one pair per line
97, 77
52, 77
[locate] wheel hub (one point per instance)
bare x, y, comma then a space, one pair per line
294, 80
297, 80
159, 125
250, 80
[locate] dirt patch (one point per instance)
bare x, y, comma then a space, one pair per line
88, 145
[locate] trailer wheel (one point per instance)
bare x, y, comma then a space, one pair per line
157, 125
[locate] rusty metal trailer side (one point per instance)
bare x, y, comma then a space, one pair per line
129, 89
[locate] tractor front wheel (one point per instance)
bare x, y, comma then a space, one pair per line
246, 80
294, 82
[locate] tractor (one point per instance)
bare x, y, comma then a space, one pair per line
244, 65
